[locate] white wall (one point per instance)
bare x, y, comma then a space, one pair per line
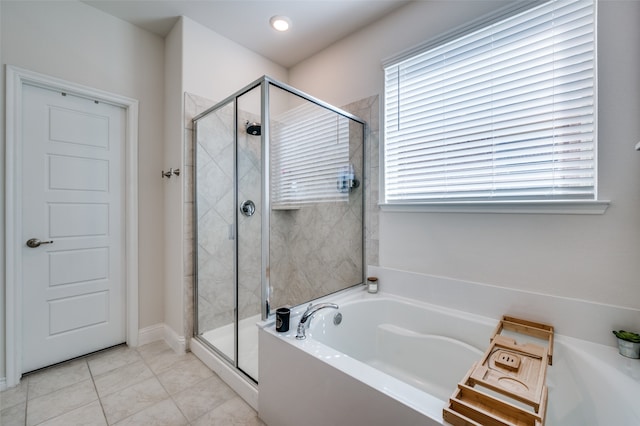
216, 67
2, 207
173, 297
78, 43
588, 257
204, 63
351, 69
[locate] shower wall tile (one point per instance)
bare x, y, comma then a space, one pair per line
194, 105
188, 148
188, 260
189, 234
312, 250
188, 312
369, 109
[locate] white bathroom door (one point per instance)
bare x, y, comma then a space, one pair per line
72, 186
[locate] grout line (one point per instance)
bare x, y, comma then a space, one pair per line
155, 375
95, 388
163, 387
26, 402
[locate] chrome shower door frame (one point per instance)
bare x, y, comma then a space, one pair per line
264, 83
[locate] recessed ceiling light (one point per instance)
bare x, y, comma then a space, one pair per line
280, 23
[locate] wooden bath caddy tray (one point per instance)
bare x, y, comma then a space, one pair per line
507, 386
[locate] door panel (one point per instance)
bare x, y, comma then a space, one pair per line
78, 220
73, 195
77, 266
63, 172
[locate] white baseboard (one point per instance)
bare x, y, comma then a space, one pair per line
150, 334
157, 332
177, 343
3, 384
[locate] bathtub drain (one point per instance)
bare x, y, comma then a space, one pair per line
337, 318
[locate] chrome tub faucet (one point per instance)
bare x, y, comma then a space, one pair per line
305, 320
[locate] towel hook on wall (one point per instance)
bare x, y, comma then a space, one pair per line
170, 172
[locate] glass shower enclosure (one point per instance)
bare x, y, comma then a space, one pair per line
278, 212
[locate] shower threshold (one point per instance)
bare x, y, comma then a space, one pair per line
222, 339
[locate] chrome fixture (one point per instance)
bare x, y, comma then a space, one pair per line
171, 171
254, 129
247, 208
347, 181
308, 314
337, 319
34, 242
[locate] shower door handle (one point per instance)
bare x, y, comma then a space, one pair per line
247, 208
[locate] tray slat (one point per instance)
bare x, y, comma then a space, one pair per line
515, 371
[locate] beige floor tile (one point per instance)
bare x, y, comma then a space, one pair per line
234, 412
111, 359
203, 397
122, 377
153, 348
14, 415
184, 374
59, 402
57, 377
133, 399
164, 413
14, 395
163, 360
134, 386
87, 415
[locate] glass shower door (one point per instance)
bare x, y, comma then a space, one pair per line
279, 211
249, 175
229, 229
216, 229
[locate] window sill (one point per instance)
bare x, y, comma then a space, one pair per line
521, 207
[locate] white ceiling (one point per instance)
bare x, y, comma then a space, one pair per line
316, 24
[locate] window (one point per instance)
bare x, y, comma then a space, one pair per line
502, 113
310, 154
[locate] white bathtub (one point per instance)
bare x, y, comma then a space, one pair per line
393, 361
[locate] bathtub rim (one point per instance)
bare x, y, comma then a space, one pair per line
414, 398
595, 354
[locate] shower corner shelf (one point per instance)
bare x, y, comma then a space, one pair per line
285, 207
507, 386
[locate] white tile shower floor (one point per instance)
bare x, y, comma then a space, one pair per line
148, 385
222, 338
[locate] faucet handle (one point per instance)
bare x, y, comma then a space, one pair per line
308, 308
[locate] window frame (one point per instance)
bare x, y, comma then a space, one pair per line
577, 206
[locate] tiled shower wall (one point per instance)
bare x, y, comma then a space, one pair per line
368, 109
216, 215
316, 249
302, 278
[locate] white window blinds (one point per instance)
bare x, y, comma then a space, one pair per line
503, 113
309, 154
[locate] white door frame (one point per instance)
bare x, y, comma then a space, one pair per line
16, 78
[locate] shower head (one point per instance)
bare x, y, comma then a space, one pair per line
254, 129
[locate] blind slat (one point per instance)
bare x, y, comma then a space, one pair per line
505, 112
309, 152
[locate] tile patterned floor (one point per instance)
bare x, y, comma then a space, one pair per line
148, 385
